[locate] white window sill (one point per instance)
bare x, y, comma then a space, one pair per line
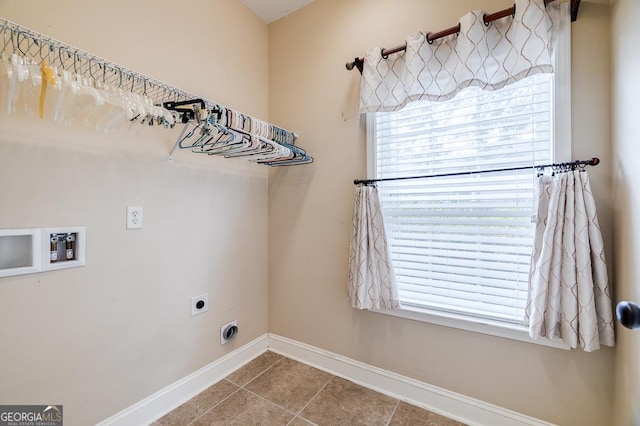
477, 325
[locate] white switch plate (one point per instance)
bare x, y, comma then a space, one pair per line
134, 217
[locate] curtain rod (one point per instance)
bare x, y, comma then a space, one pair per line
572, 164
359, 62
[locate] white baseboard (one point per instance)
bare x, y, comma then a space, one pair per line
165, 400
453, 405
459, 407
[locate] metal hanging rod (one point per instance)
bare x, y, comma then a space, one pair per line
26, 42
15, 38
570, 165
359, 62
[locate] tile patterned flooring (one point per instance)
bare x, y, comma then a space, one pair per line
274, 390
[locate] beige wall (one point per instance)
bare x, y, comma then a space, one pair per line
101, 338
626, 130
310, 212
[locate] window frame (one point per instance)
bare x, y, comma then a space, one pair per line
561, 116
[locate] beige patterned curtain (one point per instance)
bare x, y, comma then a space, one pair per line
372, 284
569, 293
491, 57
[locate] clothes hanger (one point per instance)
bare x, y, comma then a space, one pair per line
19, 73
233, 143
300, 157
5, 30
262, 149
302, 160
259, 148
226, 140
5, 67
211, 134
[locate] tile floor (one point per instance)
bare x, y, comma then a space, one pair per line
274, 390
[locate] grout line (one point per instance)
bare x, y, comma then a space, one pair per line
314, 396
278, 405
270, 402
235, 391
260, 396
265, 370
221, 401
305, 420
294, 414
393, 413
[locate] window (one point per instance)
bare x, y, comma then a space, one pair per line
462, 244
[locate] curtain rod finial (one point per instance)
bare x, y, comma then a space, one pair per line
356, 63
594, 161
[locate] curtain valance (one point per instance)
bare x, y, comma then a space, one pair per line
488, 56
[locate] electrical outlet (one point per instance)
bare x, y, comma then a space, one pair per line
134, 217
199, 304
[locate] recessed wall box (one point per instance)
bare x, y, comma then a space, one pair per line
63, 248
19, 251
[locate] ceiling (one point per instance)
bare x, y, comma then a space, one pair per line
272, 10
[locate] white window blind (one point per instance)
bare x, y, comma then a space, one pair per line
463, 244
